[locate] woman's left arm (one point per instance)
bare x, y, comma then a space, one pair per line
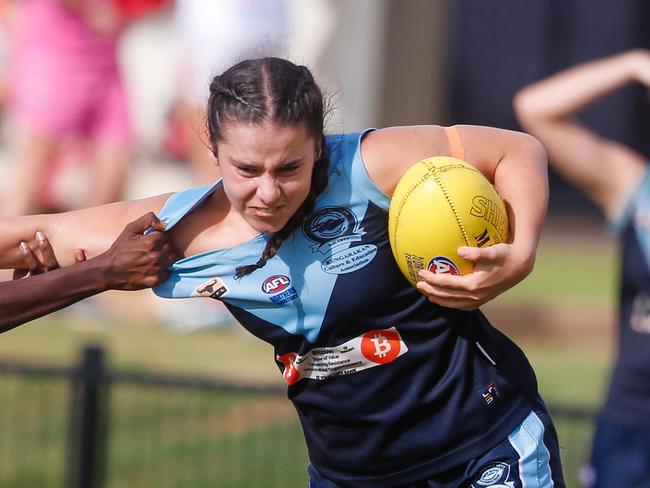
514, 162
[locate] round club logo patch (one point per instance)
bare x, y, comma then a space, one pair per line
443, 265
381, 346
329, 223
495, 476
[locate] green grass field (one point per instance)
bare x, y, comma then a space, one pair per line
158, 437
562, 316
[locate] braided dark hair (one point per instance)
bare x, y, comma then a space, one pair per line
271, 90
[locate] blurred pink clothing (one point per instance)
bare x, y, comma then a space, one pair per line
64, 77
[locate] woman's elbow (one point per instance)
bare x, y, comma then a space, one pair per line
532, 147
537, 148
526, 107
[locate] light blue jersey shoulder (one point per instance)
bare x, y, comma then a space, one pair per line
635, 211
292, 289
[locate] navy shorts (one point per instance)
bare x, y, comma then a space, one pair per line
528, 458
620, 457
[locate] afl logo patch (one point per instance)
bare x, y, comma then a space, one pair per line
275, 284
279, 288
443, 265
329, 223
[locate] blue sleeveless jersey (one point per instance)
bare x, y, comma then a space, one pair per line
389, 387
628, 400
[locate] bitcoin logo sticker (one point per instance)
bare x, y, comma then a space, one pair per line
370, 350
381, 346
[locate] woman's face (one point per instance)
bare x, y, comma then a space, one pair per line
266, 171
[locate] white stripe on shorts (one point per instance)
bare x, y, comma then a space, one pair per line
534, 458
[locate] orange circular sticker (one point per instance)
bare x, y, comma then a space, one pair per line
380, 346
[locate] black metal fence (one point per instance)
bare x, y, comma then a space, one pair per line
89, 427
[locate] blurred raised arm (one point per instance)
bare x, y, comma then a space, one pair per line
605, 170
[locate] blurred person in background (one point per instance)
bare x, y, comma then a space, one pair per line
4, 52
616, 178
394, 386
65, 94
132, 10
214, 34
311, 28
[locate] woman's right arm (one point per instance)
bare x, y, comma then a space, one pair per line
92, 229
605, 170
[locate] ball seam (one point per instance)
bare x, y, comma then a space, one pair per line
438, 180
402, 202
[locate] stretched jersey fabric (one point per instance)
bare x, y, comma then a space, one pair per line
389, 387
628, 399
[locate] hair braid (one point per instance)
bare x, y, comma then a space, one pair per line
228, 92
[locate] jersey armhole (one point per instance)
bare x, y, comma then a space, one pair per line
623, 214
361, 180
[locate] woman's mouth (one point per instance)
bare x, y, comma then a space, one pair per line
264, 211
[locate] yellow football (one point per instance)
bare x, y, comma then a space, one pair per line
439, 205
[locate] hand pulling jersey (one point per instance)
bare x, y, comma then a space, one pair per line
389, 387
629, 392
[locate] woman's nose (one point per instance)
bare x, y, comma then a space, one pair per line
268, 190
